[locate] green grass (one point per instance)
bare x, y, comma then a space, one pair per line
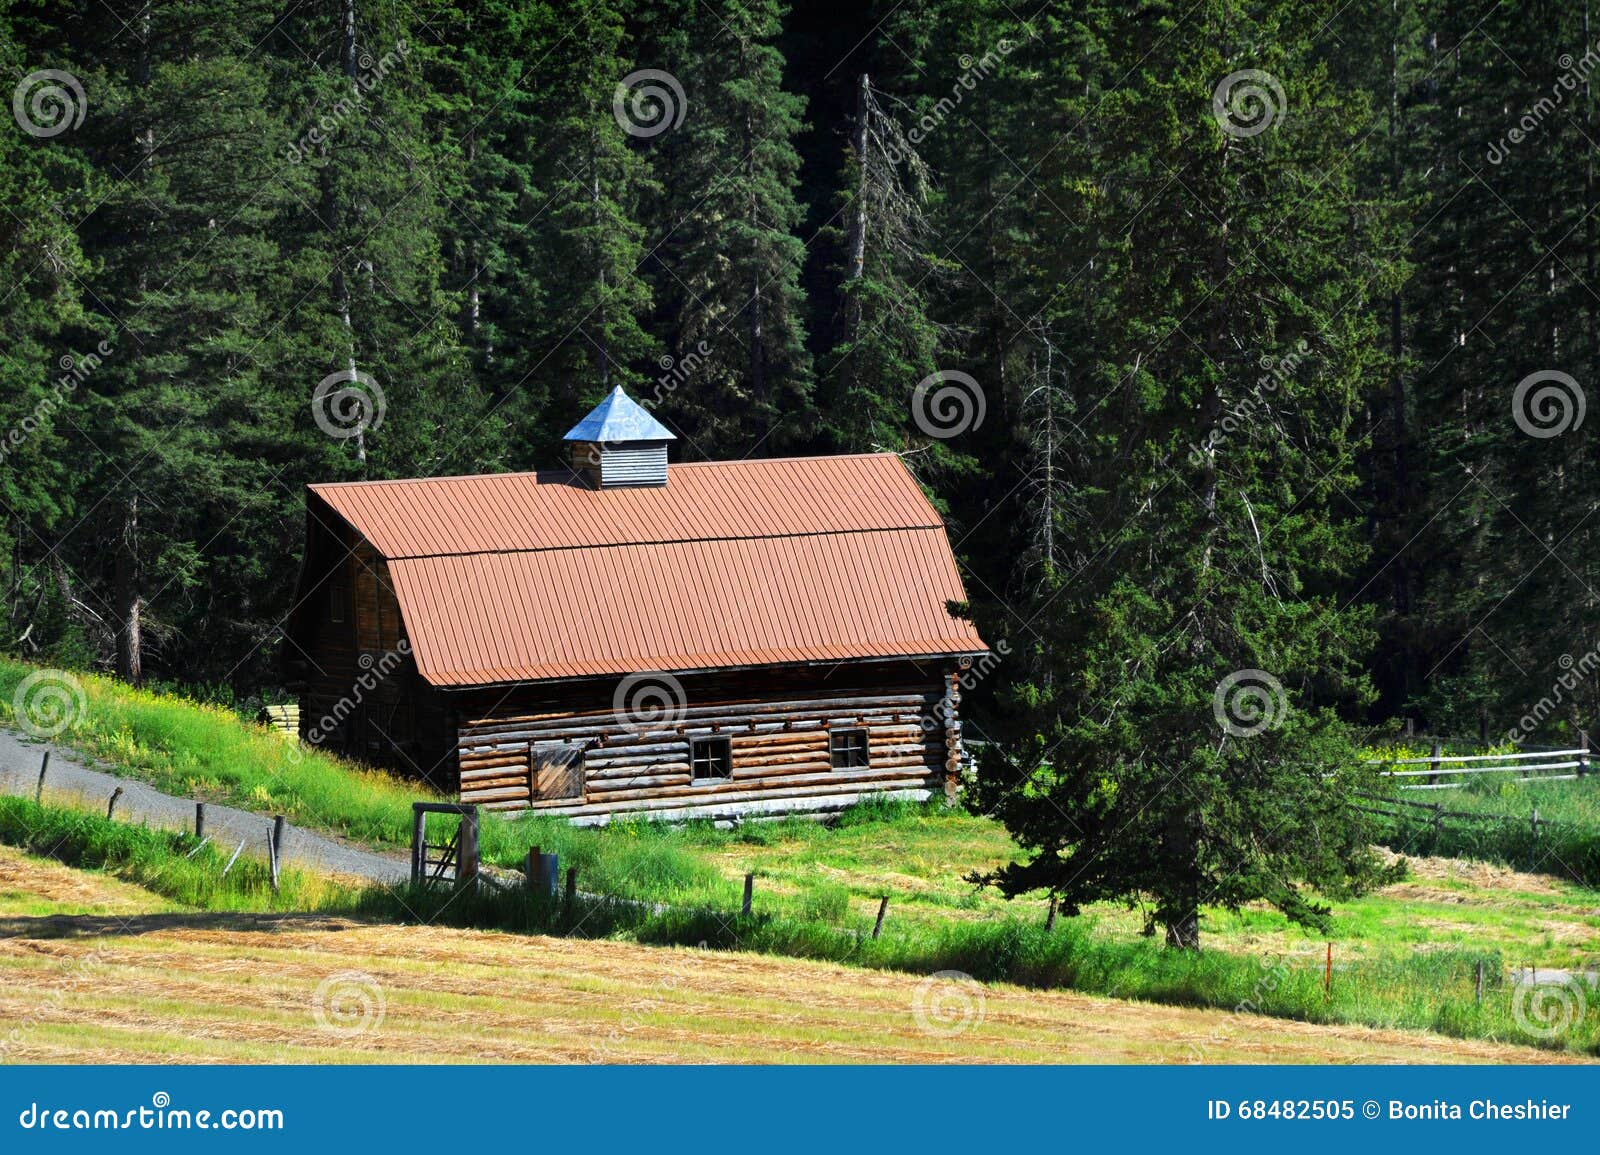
1569, 847
207, 752
1406, 959
164, 862
1425, 991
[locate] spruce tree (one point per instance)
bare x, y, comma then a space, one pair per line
1180, 747
726, 254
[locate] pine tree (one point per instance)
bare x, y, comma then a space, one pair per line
45, 186
1507, 273
582, 228
1176, 745
485, 68
727, 258
890, 341
379, 322
175, 470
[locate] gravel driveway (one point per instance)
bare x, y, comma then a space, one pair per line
69, 774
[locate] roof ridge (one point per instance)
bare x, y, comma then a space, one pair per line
563, 471
668, 541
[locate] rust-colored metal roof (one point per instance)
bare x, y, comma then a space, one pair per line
557, 510
524, 577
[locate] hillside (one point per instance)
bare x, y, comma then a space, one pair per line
97, 971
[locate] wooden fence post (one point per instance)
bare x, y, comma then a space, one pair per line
532, 868
1050, 919
1583, 753
749, 892
467, 849
1433, 762
38, 794
1438, 823
200, 820
883, 909
419, 836
111, 807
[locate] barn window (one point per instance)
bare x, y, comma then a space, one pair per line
849, 749
710, 758
336, 603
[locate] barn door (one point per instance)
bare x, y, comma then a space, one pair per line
555, 771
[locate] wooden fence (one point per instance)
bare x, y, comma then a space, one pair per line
1438, 816
1440, 771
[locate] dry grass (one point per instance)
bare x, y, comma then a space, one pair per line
31, 885
164, 986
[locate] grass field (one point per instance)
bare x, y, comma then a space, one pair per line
1567, 843
168, 863
1406, 957
206, 752
94, 970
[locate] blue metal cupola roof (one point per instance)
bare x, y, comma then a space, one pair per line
619, 418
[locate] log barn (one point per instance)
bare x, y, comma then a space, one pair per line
716, 639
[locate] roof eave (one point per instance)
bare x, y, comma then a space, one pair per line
931, 656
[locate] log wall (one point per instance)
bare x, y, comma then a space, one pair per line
777, 724
360, 693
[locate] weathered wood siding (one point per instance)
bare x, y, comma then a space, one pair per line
360, 693
777, 724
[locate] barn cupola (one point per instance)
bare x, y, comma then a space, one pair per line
619, 444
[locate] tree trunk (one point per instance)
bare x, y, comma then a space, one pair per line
1179, 909
1184, 932
858, 224
603, 329
130, 597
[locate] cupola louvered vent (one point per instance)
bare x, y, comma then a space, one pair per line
619, 445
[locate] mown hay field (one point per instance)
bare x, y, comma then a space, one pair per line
96, 970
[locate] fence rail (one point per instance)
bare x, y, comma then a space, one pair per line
1439, 816
1446, 771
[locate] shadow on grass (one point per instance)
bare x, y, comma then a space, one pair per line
69, 926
